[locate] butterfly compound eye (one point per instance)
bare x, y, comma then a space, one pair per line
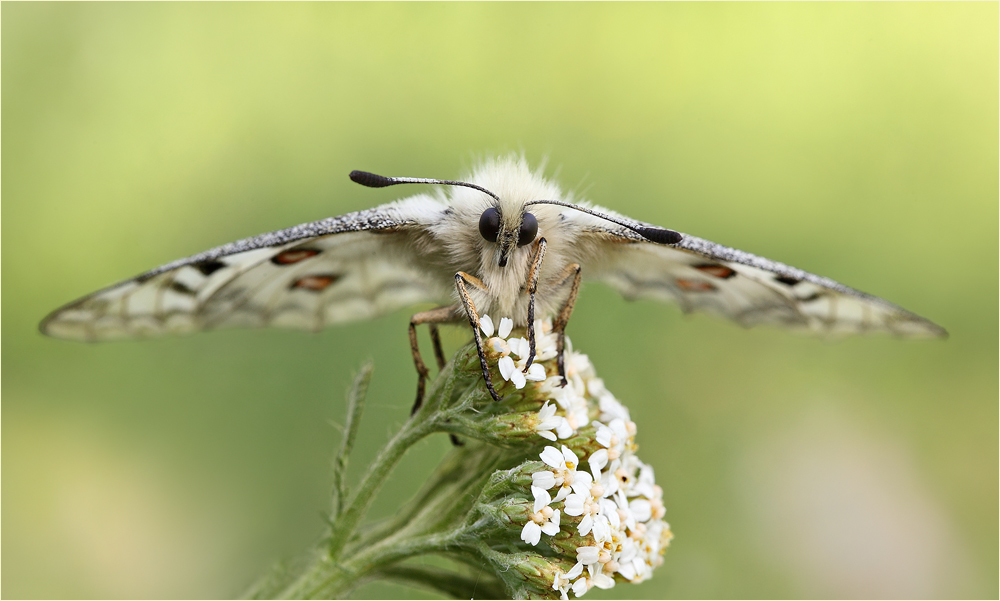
528, 231
489, 224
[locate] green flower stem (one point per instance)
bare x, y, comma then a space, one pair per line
483, 586
355, 407
445, 498
328, 579
433, 522
344, 526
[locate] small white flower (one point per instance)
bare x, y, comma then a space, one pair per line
542, 498
624, 511
544, 480
531, 533
546, 435
506, 365
614, 436
641, 509
604, 435
575, 504
602, 529
548, 420
598, 459
575, 571
536, 373
577, 416
577, 363
583, 484
506, 325
562, 582
551, 527
646, 484
578, 504
543, 519
517, 379
563, 459
580, 587
588, 555
510, 372
595, 386
486, 325
609, 509
611, 408
603, 581
520, 347
562, 395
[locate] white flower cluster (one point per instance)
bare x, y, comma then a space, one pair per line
618, 502
511, 370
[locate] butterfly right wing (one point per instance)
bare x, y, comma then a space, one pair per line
704, 276
347, 268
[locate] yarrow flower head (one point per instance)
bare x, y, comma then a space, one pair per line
584, 493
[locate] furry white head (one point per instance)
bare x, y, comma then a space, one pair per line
503, 265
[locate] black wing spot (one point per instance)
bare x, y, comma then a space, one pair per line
786, 280
812, 297
208, 267
181, 288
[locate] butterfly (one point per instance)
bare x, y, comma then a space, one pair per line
508, 242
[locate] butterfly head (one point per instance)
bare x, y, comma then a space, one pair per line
516, 228
511, 204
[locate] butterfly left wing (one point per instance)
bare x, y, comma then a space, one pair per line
346, 268
705, 276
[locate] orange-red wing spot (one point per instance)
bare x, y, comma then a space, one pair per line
294, 255
694, 285
315, 283
719, 271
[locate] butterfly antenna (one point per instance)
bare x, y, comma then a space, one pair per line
653, 234
372, 180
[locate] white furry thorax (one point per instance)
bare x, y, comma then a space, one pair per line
456, 229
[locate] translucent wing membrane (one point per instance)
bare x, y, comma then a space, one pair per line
751, 290
352, 267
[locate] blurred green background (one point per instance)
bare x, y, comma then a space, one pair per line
857, 141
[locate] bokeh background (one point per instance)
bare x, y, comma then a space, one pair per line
857, 141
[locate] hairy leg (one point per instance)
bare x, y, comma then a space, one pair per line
461, 279
432, 317
559, 327
532, 288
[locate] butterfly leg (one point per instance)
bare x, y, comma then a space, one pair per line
461, 279
532, 287
559, 327
436, 343
432, 317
